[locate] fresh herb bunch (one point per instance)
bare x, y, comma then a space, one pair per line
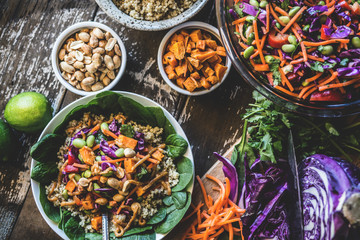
269, 127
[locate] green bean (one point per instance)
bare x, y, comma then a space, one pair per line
248, 52
327, 50
284, 19
254, 3
104, 125
292, 39
288, 48
263, 4
78, 143
355, 41
293, 11
90, 141
120, 152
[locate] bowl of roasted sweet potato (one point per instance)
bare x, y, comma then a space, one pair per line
192, 60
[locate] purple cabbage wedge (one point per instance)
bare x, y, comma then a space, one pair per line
264, 196
230, 172
331, 198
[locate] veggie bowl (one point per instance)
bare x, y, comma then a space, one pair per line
294, 66
118, 153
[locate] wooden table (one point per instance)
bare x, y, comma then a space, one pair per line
28, 29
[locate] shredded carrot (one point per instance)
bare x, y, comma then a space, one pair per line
303, 50
267, 18
288, 84
83, 166
258, 42
316, 58
304, 90
309, 80
330, 79
309, 92
240, 20
286, 91
293, 19
316, 44
203, 190
241, 26
261, 67
281, 11
338, 85
96, 128
300, 60
109, 133
276, 16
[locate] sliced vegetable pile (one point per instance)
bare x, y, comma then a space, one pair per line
107, 166
308, 49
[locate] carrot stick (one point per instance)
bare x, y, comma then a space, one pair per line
304, 90
275, 16
244, 46
293, 19
97, 127
78, 165
309, 92
303, 50
267, 18
330, 11
338, 85
288, 84
241, 26
193, 212
203, 190
240, 20
330, 79
113, 161
258, 42
261, 67
286, 91
316, 44
309, 80
300, 60
109, 133
281, 11
231, 232
280, 55
316, 58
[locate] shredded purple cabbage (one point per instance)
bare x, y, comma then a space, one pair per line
341, 32
141, 141
348, 71
104, 146
106, 165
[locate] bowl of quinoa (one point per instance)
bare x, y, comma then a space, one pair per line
112, 160
151, 15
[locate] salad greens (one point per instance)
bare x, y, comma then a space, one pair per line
46, 169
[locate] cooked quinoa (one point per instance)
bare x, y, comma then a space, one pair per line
149, 203
153, 10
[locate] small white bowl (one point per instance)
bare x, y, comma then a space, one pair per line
189, 25
65, 35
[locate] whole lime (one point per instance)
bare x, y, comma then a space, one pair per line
28, 112
6, 141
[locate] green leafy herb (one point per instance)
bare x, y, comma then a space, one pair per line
285, 5
142, 174
274, 68
319, 66
127, 130
238, 10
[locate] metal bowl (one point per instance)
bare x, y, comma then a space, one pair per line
259, 81
114, 12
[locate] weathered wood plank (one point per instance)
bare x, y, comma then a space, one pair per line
27, 31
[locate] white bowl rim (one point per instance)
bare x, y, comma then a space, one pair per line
35, 186
71, 30
145, 25
189, 25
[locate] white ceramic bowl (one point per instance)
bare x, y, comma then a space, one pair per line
64, 36
59, 117
189, 25
114, 12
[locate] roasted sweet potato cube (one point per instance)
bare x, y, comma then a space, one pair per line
220, 70
173, 39
195, 75
221, 51
157, 155
189, 66
170, 72
184, 32
180, 71
193, 61
213, 59
188, 48
178, 49
199, 67
203, 55
180, 82
205, 66
190, 84
197, 83
196, 35
70, 186
126, 142
128, 165
212, 79
186, 41
87, 155
211, 44
169, 58
192, 44
209, 71
200, 45
181, 38
205, 83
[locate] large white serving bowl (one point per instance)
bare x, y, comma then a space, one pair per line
59, 117
115, 13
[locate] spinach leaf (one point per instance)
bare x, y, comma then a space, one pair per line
158, 217
149, 235
127, 130
64, 215
179, 199
46, 149
185, 169
173, 218
133, 231
73, 230
136, 112
44, 172
52, 212
176, 146
168, 201
170, 209
93, 236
